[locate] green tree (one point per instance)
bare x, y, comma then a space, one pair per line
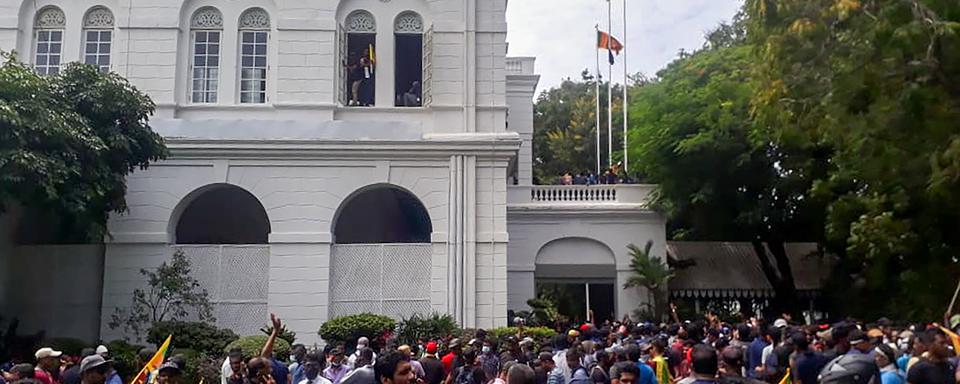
564, 128
693, 135
873, 88
172, 294
68, 141
652, 273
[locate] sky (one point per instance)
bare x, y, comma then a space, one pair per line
561, 34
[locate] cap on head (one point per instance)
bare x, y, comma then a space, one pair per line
545, 356
93, 361
170, 367
363, 340
454, 343
432, 347
102, 350
45, 352
780, 323
573, 333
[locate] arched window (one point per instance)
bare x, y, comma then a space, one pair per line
97, 37
254, 34
358, 53
48, 40
206, 26
408, 70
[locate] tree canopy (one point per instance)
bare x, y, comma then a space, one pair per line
827, 121
67, 143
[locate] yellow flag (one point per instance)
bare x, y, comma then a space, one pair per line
953, 338
786, 378
153, 363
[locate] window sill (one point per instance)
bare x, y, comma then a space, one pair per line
375, 109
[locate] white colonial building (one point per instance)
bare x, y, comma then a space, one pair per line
289, 199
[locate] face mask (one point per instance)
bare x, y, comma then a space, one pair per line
486, 349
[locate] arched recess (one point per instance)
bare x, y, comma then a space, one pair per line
580, 275
382, 214
220, 214
381, 257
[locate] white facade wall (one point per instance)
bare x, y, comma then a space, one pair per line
301, 153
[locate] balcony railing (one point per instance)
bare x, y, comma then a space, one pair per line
579, 194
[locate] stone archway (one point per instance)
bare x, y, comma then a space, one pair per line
381, 258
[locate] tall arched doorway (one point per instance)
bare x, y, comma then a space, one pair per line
223, 231
381, 257
579, 274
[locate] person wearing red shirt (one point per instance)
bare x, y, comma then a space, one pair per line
450, 360
48, 365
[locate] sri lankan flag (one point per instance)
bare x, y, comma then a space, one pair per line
608, 42
144, 375
954, 338
662, 370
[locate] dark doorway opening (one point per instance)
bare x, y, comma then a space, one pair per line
408, 69
361, 69
571, 298
382, 215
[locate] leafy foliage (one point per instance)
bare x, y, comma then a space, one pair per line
718, 178
537, 333
252, 345
286, 334
198, 336
418, 327
171, 295
347, 329
68, 141
543, 312
124, 356
873, 86
564, 132
650, 272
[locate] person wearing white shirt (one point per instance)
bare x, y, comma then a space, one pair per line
362, 343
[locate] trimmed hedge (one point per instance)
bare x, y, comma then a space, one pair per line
537, 333
252, 345
347, 329
198, 336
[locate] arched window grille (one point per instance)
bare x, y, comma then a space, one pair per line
206, 26
254, 28
48, 40
97, 37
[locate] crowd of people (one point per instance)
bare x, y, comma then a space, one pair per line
612, 175
704, 351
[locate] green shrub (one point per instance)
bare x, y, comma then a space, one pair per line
199, 365
68, 345
124, 356
347, 329
416, 327
201, 337
252, 345
537, 333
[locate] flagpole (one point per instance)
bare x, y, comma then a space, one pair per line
609, 86
598, 103
626, 83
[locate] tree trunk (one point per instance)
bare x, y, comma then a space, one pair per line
780, 275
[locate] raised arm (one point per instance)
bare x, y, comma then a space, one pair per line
267, 350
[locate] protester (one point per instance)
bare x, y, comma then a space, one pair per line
578, 374
393, 368
414, 364
312, 365
554, 374
933, 366
297, 352
47, 370
629, 374
170, 373
489, 361
451, 361
337, 369
885, 357
72, 375
432, 367
94, 369
364, 373
520, 374
362, 343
